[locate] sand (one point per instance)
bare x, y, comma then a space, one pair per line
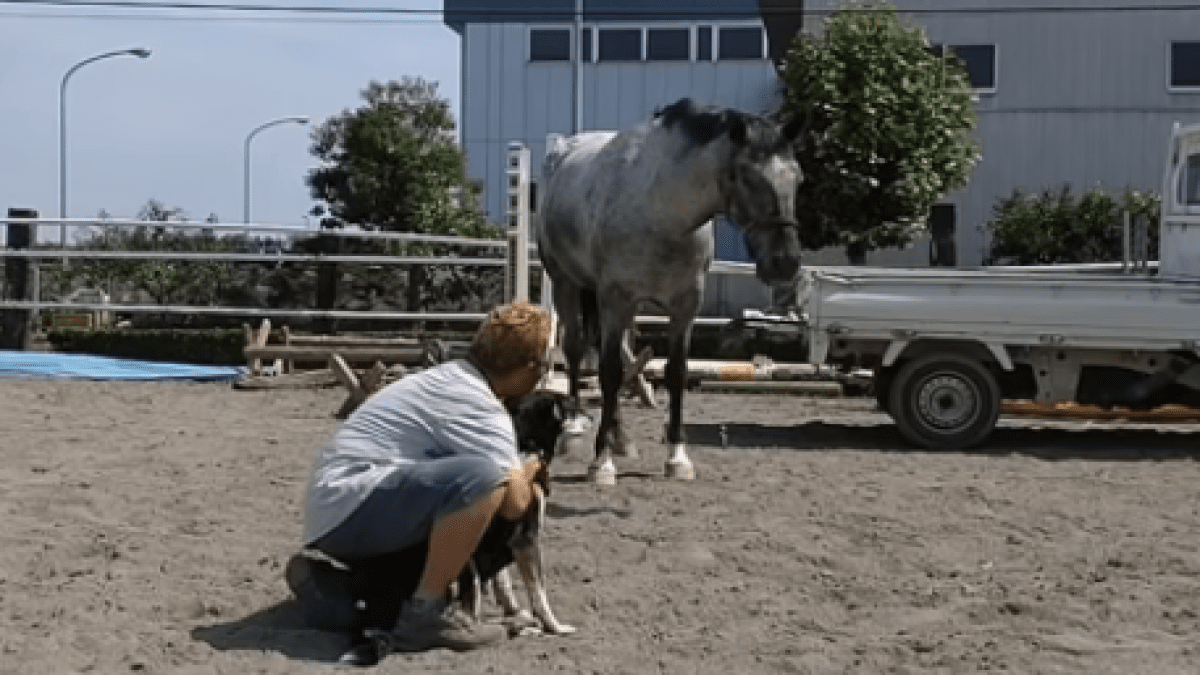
145, 527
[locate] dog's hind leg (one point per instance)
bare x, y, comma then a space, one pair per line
505, 597
470, 595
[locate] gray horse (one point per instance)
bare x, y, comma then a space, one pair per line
626, 217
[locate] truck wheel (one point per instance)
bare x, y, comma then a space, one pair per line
945, 402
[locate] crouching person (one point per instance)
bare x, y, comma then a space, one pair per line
434, 455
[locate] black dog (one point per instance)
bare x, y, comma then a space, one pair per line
364, 596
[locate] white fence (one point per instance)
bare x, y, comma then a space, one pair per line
39, 256
505, 255
515, 253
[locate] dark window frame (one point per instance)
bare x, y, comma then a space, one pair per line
993, 70
705, 34
1184, 82
669, 52
705, 43
623, 32
587, 45
542, 53
725, 55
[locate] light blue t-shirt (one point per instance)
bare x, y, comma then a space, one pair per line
448, 409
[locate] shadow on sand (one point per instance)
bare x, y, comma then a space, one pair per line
1049, 442
280, 629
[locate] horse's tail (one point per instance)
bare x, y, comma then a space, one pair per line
556, 148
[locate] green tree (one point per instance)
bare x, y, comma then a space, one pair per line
888, 128
394, 165
1056, 226
165, 282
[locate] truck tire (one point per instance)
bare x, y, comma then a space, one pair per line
945, 401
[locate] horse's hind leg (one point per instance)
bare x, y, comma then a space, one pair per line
610, 433
622, 445
567, 306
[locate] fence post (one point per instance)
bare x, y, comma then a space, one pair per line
327, 278
16, 323
518, 219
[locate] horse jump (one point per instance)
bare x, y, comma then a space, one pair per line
625, 217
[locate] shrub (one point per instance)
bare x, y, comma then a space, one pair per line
1056, 226
219, 346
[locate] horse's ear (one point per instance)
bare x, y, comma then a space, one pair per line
793, 129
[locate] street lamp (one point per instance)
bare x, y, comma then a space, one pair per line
62, 128
300, 119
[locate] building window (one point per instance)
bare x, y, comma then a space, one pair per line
620, 44
978, 60
549, 44
631, 43
668, 44
704, 40
1185, 65
741, 43
585, 46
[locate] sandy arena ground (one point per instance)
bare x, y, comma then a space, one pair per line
145, 527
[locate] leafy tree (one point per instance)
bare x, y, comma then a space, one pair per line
888, 130
1056, 226
163, 281
394, 165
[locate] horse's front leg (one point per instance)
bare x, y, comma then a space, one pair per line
679, 465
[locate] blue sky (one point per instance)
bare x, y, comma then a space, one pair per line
173, 127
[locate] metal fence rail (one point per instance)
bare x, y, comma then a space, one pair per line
204, 256
502, 259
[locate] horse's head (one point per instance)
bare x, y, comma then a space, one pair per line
761, 194
758, 176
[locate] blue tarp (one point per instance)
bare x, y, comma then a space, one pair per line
88, 367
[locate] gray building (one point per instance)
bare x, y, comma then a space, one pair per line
1081, 92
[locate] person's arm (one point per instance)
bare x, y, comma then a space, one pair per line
522, 486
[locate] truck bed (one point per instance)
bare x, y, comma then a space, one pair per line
1009, 307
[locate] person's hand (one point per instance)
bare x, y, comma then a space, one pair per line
533, 469
522, 488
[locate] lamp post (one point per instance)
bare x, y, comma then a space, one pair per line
139, 52
299, 119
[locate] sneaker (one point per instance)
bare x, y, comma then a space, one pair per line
419, 628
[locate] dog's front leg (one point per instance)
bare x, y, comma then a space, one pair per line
529, 561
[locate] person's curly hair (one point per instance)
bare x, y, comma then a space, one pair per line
513, 336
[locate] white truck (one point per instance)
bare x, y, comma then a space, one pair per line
947, 346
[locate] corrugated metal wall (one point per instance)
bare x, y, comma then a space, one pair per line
1081, 96
506, 98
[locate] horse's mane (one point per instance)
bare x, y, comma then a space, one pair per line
704, 124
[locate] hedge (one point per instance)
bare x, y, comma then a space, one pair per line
208, 346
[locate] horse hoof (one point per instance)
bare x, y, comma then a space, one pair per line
680, 470
602, 475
